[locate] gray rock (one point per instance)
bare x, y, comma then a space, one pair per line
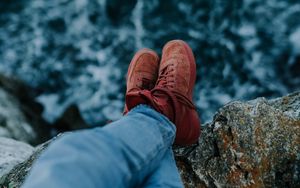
12, 152
248, 144
70, 120
17, 175
13, 123
20, 115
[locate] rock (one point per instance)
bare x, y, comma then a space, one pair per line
248, 144
12, 152
17, 175
13, 123
70, 120
20, 115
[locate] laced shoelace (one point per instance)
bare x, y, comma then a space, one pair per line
165, 73
175, 98
164, 85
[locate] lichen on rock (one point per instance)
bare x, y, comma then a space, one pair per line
249, 144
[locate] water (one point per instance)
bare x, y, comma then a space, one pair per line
77, 51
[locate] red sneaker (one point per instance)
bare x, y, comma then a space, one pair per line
177, 75
142, 72
173, 92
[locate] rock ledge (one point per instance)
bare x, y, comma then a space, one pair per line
248, 144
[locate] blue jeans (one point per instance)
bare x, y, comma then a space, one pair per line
134, 151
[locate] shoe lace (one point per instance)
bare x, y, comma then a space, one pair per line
174, 96
165, 86
162, 79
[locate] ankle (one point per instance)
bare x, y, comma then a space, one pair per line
163, 103
133, 99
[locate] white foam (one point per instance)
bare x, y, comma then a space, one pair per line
295, 41
137, 18
247, 30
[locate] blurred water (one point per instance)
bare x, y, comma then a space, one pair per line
77, 51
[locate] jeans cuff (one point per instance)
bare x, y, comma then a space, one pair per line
162, 119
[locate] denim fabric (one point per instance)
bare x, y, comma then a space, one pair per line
166, 175
134, 151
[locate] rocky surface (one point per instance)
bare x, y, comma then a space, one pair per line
12, 152
248, 144
20, 115
70, 120
17, 175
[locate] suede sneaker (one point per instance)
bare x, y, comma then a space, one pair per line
142, 72
173, 92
